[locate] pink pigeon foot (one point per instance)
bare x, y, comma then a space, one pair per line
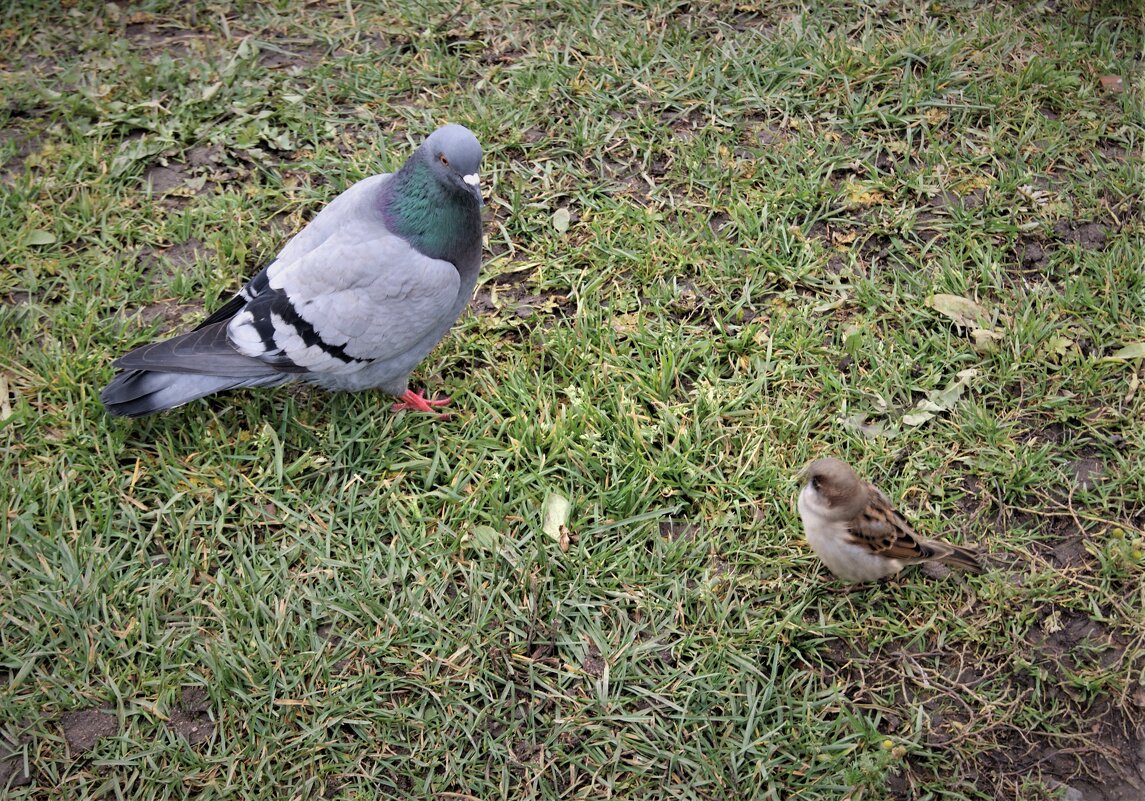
416, 402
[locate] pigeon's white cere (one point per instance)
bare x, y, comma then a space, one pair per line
472, 180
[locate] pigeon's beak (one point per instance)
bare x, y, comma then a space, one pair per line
474, 181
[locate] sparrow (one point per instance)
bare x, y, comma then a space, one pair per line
853, 527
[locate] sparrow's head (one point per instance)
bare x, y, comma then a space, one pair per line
834, 488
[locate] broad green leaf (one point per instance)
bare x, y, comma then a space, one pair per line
39, 237
484, 538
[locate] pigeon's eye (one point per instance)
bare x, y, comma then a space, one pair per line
815, 482
444, 160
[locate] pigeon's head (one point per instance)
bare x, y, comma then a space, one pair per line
454, 155
834, 489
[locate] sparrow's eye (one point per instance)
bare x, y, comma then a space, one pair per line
444, 160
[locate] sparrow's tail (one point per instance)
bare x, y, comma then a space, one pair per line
962, 558
176, 371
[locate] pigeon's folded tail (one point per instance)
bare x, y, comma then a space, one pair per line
138, 393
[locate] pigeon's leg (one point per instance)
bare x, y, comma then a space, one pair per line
416, 402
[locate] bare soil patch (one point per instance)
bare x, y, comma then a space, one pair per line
191, 718
83, 728
1093, 746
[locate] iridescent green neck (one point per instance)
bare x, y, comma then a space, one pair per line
437, 221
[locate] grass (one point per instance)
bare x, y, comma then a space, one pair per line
356, 604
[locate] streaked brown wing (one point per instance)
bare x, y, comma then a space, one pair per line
887, 533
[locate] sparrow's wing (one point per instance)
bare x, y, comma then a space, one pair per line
887, 533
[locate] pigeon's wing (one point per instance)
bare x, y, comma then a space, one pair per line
881, 529
344, 304
253, 289
326, 226
205, 351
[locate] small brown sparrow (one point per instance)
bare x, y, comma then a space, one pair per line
856, 531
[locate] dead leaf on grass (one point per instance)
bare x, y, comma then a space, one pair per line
962, 311
868, 428
969, 315
841, 239
40, 237
1112, 83
625, 323
561, 219
864, 196
1059, 346
135, 150
5, 400
1135, 350
483, 538
940, 400
555, 517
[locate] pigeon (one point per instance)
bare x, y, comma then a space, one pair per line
354, 301
855, 530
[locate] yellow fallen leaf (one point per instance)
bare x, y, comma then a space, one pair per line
625, 323
864, 196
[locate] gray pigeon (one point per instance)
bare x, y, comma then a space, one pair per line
354, 301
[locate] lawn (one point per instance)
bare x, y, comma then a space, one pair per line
721, 239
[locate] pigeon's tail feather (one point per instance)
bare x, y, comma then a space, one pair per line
962, 558
138, 393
